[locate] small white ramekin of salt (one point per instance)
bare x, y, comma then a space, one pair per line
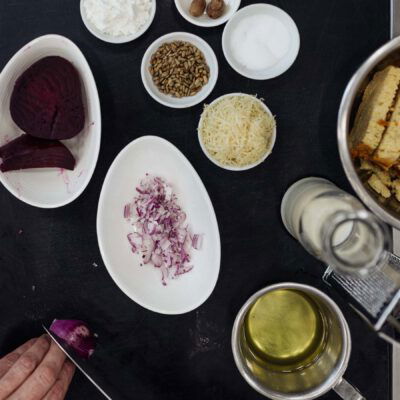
261, 41
117, 21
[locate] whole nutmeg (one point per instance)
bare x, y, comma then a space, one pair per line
215, 8
197, 8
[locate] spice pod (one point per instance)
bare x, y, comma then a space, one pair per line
203, 20
179, 70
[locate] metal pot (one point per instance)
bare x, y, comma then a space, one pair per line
387, 54
304, 383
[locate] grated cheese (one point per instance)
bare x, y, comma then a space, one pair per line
237, 131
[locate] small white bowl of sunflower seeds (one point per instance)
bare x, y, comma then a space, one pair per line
179, 70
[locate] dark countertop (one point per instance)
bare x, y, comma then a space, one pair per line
187, 356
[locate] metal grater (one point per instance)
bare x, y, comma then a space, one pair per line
375, 298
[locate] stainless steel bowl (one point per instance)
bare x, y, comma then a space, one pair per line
387, 54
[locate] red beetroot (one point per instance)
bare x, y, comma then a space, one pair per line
47, 100
30, 152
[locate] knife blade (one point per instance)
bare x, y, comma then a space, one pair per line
74, 360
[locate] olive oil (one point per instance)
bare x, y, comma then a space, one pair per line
285, 331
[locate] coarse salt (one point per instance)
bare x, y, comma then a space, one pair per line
118, 17
260, 42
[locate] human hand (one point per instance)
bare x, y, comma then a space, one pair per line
37, 370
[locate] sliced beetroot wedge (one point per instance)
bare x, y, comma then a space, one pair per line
30, 152
47, 100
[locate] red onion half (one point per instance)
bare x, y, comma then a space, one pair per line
76, 334
161, 235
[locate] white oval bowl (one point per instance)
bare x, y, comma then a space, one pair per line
118, 39
246, 167
284, 64
231, 6
52, 187
156, 156
182, 102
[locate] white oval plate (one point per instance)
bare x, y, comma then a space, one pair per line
231, 6
52, 187
118, 39
182, 102
156, 156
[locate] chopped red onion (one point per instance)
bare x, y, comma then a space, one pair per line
197, 241
127, 211
132, 242
160, 232
76, 334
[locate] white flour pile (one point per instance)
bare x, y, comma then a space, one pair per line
118, 17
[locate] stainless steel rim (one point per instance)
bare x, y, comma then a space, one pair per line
330, 383
343, 130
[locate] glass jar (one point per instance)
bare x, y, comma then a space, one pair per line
335, 227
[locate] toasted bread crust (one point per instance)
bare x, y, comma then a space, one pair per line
388, 151
376, 103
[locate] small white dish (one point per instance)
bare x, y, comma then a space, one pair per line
284, 63
231, 6
52, 187
157, 156
118, 39
182, 102
227, 167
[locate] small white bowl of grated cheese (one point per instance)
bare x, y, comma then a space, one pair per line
237, 131
117, 21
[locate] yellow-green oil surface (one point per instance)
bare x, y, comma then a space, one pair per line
285, 330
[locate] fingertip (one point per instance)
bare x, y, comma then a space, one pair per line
70, 366
43, 343
46, 337
57, 354
29, 343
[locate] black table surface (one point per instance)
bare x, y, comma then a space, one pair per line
47, 256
